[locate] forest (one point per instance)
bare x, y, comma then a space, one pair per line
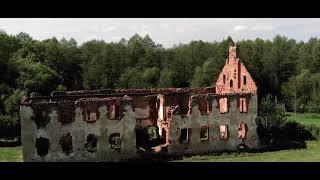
285, 70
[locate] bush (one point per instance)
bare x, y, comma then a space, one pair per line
293, 131
9, 126
314, 130
270, 118
276, 132
10, 118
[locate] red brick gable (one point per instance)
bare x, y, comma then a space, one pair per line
234, 77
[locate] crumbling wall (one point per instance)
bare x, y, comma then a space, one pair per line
170, 104
213, 121
86, 130
67, 135
234, 77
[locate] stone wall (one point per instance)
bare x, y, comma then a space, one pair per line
90, 140
86, 130
213, 121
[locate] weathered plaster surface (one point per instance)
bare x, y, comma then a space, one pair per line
113, 117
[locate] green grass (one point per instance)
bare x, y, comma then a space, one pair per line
310, 154
304, 118
11, 154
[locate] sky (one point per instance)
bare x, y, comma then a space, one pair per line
166, 31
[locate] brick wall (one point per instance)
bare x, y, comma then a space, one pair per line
234, 77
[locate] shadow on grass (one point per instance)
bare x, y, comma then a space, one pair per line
291, 135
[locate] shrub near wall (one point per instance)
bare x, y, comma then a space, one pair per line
271, 116
9, 127
309, 121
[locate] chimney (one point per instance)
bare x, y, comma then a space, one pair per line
232, 52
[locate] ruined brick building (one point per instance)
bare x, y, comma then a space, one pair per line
120, 124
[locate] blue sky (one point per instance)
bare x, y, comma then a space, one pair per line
167, 31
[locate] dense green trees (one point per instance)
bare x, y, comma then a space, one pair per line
207, 74
302, 92
285, 69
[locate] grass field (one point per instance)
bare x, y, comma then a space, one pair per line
304, 118
11, 154
310, 154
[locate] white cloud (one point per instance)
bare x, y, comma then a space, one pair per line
194, 28
162, 26
262, 28
141, 29
180, 29
144, 27
143, 33
93, 28
116, 37
169, 30
239, 28
109, 29
144, 30
133, 27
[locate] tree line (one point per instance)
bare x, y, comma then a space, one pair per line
282, 68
